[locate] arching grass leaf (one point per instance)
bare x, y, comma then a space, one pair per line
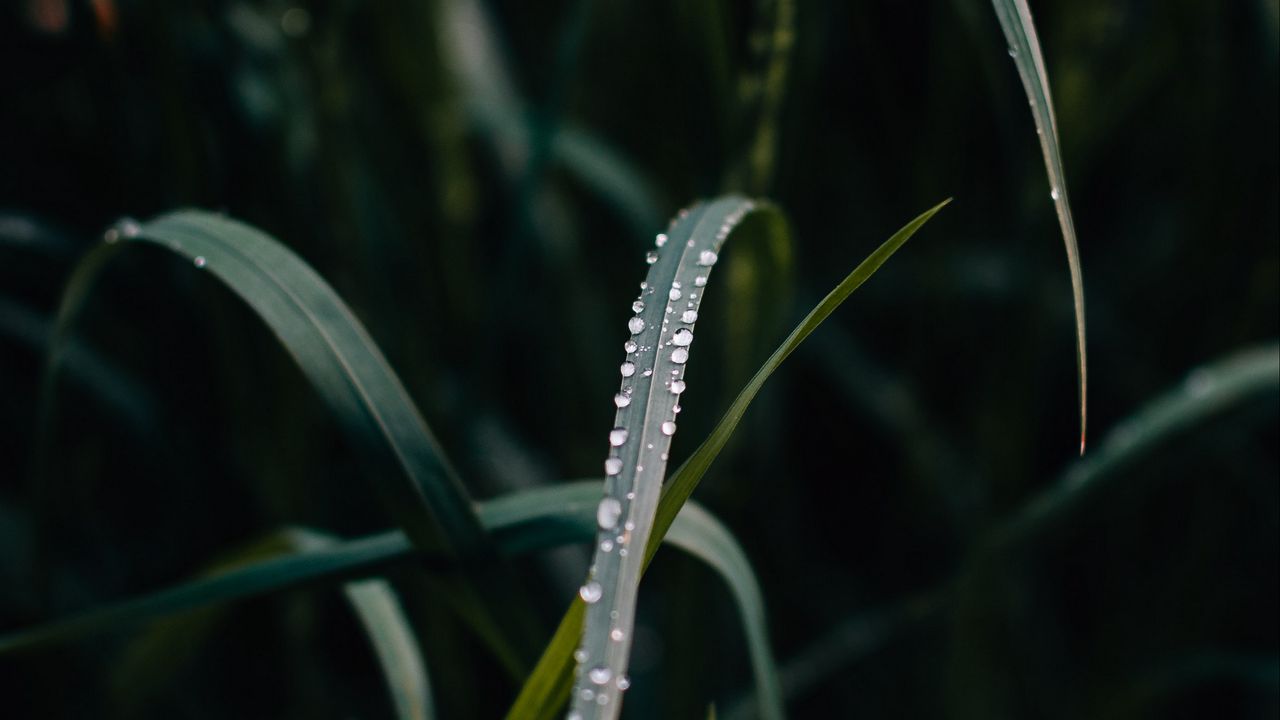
547, 688
1024, 47
363, 393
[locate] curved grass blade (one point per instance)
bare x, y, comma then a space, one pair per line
1206, 392
1024, 47
149, 662
389, 631
648, 404
522, 522
546, 689
701, 534
410, 472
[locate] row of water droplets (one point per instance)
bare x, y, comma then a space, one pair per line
127, 228
631, 498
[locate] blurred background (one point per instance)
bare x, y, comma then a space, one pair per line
479, 179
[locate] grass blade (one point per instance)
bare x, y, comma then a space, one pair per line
384, 621
648, 404
521, 523
1206, 392
1024, 47
150, 661
546, 689
700, 534
410, 472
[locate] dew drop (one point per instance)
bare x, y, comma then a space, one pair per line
591, 592
587, 694
581, 655
617, 635
600, 675
700, 281
199, 261
637, 306
623, 683
602, 699
689, 316
668, 428
1054, 194
622, 400
630, 346
111, 236
130, 228
628, 369
682, 338
617, 436
680, 356
674, 294
707, 258
612, 466
635, 325
607, 513
660, 240
677, 387
651, 257
606, 546
1013, 52
575, 715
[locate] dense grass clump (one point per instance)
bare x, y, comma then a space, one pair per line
318, 400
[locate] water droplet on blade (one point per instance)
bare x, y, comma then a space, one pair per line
689, 316
617, 436
612, 466
668, 428
677, 386
627, 369
607, 513
707, 258
680, 356
600, 675
590, 592
635, 325
682, 338
622, 400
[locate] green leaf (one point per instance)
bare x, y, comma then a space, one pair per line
363, 393
1024, 47
389, 631
545, 691
648, 403
522, 522
1207, 391
149, 661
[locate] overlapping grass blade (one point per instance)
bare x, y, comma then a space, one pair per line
546, 690
701, 534
1024, 47
150, 661
1241, 377
366, 398
1207, 391
389, 631
648, 404
521, 523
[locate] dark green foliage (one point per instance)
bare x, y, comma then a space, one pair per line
479, 180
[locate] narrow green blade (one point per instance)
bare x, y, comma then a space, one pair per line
1024, 47
389, 631
545, 691
366, 398
648, 404
521, 522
